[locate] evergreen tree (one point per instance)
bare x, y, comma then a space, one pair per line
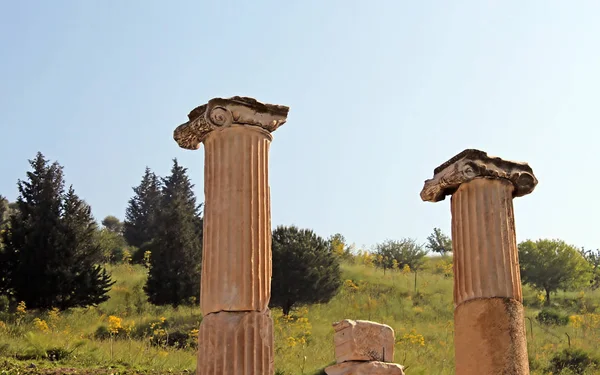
176, 251
48, 252
140, 223
305, 270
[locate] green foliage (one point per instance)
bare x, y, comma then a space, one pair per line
176, 251
550, 265
304, 268
593, 257
438, 242
575, 360
112, 245
338, 246
50, 257
552, 317
142, 211
113, 224
404, 252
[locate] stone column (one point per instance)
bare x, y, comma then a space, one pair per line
488, 312
236, 334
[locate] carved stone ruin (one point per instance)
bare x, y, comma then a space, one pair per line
363, 347
488, 316
236, 334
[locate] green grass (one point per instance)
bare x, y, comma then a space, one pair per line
422, 320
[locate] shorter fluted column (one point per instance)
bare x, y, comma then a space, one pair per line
488, 317
487, 284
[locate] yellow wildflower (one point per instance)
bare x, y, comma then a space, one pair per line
41, 325
114, 324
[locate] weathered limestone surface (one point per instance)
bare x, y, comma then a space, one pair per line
221, 113
471, 164
236, 262
365, 368
362, 340
486, 261
490, 337
236, 343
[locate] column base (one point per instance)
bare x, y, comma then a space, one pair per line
236, 343
490, 337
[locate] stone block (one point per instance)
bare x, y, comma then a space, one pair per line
365, 368
362, 340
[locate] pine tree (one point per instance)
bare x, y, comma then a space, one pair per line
140, 222
305, 270
48, 249
176, 251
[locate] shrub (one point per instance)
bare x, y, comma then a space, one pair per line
575, 360
57, 353
102, 333
552, 317
4, 304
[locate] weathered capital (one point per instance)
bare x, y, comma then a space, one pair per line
471, 164
221, 113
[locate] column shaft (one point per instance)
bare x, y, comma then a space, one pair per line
486, 261
236, 344
236, 264
489, 320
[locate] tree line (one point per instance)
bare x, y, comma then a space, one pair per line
54, 254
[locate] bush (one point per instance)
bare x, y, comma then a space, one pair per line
102, 333
56, 354
552, 317
575, 360
4, 304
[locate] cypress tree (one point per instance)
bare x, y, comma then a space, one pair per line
176, 251
48, 248
140, 223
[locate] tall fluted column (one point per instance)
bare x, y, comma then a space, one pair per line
236, 334
488, 316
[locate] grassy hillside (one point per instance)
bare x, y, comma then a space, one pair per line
128, 334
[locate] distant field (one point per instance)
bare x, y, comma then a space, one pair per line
131, 336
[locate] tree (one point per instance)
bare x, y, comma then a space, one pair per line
305, 270
50, 256
550, 265
338, 246
113, 224
140, 223
438, 242
593, 258
112, 245
405, 252
176, 250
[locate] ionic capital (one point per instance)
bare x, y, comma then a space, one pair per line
220, 113
471, 164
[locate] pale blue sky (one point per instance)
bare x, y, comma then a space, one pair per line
381, 92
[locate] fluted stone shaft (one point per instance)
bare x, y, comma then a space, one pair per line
236, 259
489, 330
239, 343
484, 244
236, 334
488, 316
